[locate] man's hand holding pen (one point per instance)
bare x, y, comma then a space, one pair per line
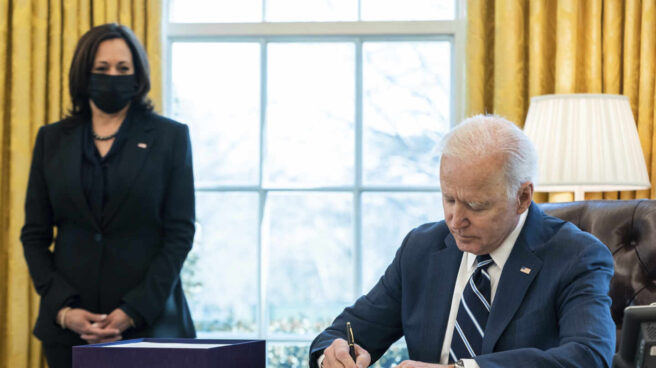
337, 356
348, 354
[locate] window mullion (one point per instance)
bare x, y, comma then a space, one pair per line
359, 10
357, 195
261, 305
264, 4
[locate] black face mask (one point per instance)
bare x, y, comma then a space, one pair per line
111, 93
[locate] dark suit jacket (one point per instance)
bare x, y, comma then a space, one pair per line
135, 255
558, 315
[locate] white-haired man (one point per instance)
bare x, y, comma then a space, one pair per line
496, 284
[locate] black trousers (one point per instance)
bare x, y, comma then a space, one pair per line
58, 356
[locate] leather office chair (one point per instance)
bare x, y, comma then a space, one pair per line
628, 228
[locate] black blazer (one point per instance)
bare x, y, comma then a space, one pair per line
135, 255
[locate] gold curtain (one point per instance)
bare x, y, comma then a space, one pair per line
517, 49
37, 41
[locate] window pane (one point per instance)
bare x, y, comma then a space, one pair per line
310, 114
386, 219
208, 11
406, 110
288, 355
308, 244
216, 91
225, 246
311, 10
408, 9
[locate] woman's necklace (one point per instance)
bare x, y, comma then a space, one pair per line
106, 137
103, 138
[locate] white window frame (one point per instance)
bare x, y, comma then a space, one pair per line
452, 30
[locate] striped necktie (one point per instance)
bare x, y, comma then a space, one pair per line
472, 316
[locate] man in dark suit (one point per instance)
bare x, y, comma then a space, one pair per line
496, 284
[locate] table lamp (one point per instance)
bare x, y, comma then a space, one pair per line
586, 143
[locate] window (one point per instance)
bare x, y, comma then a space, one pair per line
314, 126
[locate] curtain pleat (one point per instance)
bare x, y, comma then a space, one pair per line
646, 83
510, 51
56, 71
153, 44
632, 54
5, 69
125, 12
480, 52
541, 48
589, 56
20, 116
613, 13
631, 70
98, 9
612, 46
139, 13
520, 49
111, 11
37, 41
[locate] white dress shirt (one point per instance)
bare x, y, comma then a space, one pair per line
499, 256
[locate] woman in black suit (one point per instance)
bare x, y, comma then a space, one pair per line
116, 181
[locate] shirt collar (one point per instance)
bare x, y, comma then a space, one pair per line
501, 254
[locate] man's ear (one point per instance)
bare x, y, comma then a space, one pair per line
524, 197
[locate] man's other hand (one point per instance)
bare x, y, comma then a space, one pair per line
337, 356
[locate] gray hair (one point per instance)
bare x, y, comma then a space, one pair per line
483, 135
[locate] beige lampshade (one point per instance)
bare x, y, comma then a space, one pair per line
586, 143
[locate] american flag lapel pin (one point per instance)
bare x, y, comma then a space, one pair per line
142, 145
525, 270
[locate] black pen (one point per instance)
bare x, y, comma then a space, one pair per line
351, 340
